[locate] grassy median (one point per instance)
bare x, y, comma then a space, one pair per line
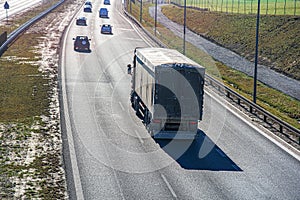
30, 141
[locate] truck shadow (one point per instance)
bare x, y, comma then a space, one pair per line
200, 154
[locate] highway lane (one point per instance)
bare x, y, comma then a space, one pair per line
116, 159
16, 6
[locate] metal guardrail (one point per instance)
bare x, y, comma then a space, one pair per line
290, 132
13, 35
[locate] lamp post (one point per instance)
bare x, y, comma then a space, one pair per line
184, 26
130, 6
256, 52
141, 11
155, 18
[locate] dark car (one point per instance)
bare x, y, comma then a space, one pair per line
103, 12
82, 43
87, 8
106, 28
81, 21
88, 3
106, 2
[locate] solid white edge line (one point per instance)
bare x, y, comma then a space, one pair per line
111, 86
121, 106
168, 185
73, 158
275, 141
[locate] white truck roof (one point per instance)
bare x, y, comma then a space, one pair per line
157, 56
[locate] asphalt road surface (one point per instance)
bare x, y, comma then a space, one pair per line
109, 154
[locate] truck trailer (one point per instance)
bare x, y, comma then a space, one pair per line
167, 92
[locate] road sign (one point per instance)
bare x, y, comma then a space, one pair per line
6, 6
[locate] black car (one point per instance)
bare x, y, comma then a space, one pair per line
87, 8
106, 28
88, 3
81, 21
82, 43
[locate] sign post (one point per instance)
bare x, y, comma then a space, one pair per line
6, 7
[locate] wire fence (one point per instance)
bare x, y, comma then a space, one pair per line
268, 7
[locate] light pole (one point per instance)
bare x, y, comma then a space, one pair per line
130, 6
141, 11
184, 26
155, 18
256, 52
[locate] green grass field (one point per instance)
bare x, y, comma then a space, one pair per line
269, 7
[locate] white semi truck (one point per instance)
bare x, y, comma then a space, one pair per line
167, 92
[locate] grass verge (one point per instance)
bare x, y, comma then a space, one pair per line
30, 140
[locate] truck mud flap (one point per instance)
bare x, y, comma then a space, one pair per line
176, 135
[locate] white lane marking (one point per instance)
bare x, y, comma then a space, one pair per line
125, 29
133, 39
121, 106
139, 137
168, 185
111, 86
73, 157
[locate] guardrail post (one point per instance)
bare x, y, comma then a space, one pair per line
280, 128
265, 118
228, 94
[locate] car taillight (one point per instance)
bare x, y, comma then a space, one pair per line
193, 122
